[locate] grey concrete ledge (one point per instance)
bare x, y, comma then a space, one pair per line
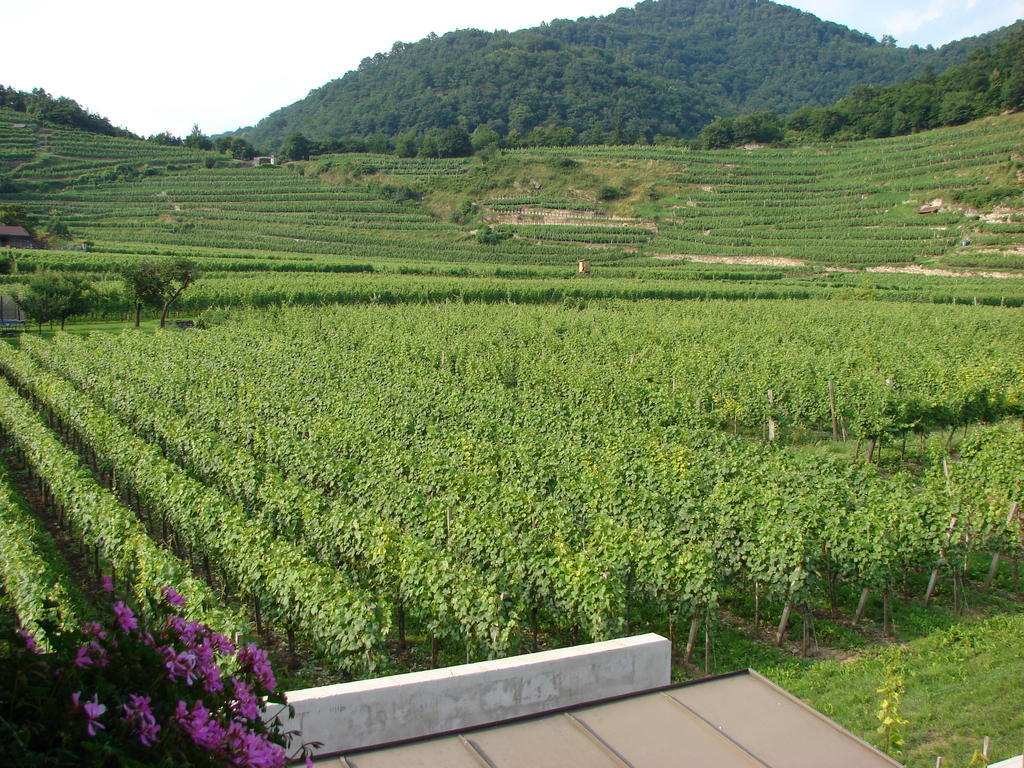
365, 713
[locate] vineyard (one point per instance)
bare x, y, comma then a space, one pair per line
484, 477
779, 420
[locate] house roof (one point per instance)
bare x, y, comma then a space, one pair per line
11, 231
740, 720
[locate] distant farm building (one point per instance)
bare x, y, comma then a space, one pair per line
15, 237
265, 160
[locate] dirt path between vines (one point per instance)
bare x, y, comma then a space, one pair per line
778, 261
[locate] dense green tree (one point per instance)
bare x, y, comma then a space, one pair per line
719, 134
55, 296
158, 283
550, 136
296, 147
484, 136
141, 281
166, 139
406, 144
241, 149
1013, 89
454, 142
430, 145
958, 107
379, 143
197, 139
55, 227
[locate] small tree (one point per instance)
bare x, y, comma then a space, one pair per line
53, 296
158, 284
454, 142
296, 147
140, 281
197, 139
406, 144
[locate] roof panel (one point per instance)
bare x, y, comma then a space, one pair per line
739, 720
655, 731
548, 742
774, 726
449, 752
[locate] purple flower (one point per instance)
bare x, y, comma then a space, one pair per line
253, 659
100, 653
92, 709
197, 723
82, 658
188, 631
253, 750
221, 644
108, 584
206, 662
139, 715
94, 629
125, 618
179, 666
171, 595
246, 703
30, 642
212, 682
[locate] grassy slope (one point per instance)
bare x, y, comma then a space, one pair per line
962, 684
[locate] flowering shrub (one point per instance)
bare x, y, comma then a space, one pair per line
161, 692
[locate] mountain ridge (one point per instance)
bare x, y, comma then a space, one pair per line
665, 67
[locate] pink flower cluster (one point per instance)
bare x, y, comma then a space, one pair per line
254, 660
191, 654
92, 710
139, 715
236, 742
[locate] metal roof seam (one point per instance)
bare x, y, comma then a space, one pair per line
601, 743
477, 752
828, 721
716, 729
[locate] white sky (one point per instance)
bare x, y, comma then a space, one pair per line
152, 67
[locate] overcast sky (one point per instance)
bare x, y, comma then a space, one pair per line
152, 67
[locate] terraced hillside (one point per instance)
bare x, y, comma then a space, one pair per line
645, 209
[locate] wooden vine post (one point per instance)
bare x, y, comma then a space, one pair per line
783, 622
832, 408
862, 605
691, 638
994, 568
772, 426
933, 579
805, 646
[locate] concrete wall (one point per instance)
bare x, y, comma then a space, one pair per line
365, 713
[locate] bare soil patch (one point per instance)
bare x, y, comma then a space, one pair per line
932, 271
763, 261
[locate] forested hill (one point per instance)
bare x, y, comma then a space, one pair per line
58, 110
664, 67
